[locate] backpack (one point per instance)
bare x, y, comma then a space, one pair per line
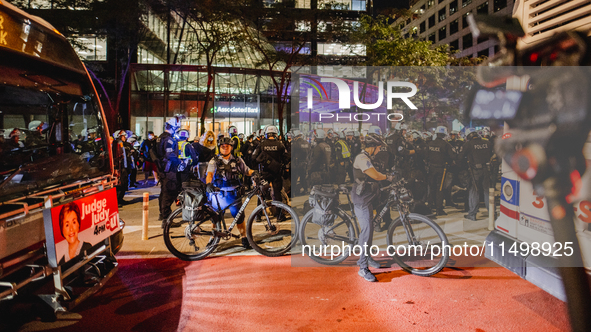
193, 198
324, 200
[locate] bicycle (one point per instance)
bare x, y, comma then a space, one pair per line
409, 231
192, 240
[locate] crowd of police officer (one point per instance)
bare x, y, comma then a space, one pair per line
438, 167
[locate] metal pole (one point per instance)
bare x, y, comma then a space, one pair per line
146, 208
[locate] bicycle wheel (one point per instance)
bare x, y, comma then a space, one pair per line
272, 237
421, 251
190, 241
315, 238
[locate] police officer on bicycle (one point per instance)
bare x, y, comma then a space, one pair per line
227, 173
364, 190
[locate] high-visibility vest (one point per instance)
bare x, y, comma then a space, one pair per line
345, 149
182, 154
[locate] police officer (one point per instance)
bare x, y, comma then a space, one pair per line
365, 190
355, 148
237, 144
440, 157
342, 159
478, 153
318, 166
134, 154
168, 161
121, 159
272, 157
187, 157
227, 172
300, 150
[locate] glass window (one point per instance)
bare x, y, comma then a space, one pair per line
52, 130
482, 9
430, 3
442, 33
90, 47
466, 2
454, 27
484, 52
442, 14
465, 20
499, 4
467, 41
453, 7
454, 45
432, 37
432, 21
422, 27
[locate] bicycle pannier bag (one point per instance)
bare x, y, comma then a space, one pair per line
324, 200
193, 198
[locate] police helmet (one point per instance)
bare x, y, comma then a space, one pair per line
232, 130
356, 133
37, 124
129, 133
401, 126
349, 133
289, 135
485, 131
416, 134
261, 132
132, 139
374, 137
173, 123
341, 135
271, 130
455, 132
320, 134
15, 132
441, 130
183, 134
241, 136
297, 133
119, 133
470, 133
225, 140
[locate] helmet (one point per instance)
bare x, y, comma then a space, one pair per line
349, 133
37, 124
356, 133
455, 132
426, 135
183, 134
174, 123
319, 133
241, 136
470, 132
341, 135
132, 139
485, 131
232, 130
374, 137
261, 131
129, 133
416, 134
119, 133
441, 130
297, 133
401, 126
225, 140
288, 135
271, 130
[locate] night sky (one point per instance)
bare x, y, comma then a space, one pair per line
383, 4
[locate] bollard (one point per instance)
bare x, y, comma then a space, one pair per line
146, 207
491, 209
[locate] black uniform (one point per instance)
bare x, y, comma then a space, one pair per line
342, 155
272, 157
478, 153
439, 156
167, 150
300, 150
318, 167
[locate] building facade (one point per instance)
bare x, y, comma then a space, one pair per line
444, 22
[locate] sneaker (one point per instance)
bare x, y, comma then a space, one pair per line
373, 263
367, 275
469, 217
245, 243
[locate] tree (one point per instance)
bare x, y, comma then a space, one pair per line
216, 30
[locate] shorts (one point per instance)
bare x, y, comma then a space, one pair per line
150, 166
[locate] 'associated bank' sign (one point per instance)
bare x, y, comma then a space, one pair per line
236, 109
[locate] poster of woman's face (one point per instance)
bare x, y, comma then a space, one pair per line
79, 225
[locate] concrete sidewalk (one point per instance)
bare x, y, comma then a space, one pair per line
457, 229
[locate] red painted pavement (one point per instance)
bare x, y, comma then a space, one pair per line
256, 293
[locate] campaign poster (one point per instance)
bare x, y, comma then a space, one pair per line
74, 228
